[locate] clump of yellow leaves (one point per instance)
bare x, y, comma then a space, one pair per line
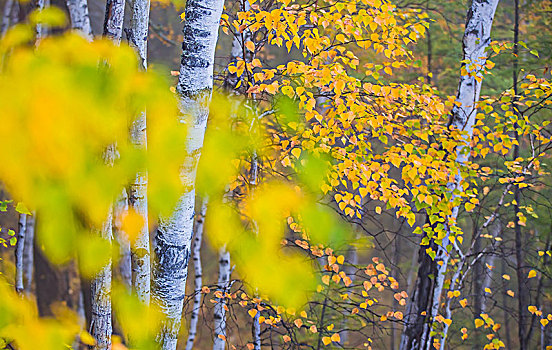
63, 104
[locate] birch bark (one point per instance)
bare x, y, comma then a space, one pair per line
138, 200
80, 19
28, 261
120, 207
114, 17
174, 233
6, 16
19, 248
219, 309
101, 327
198, 272
427, 294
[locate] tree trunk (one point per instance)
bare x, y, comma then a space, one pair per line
138, 197
198, 272
427, 294
19, 250
114, 17
123, 253
220, 306
7, 16
28, 260
80, 19
174, 234
101, 327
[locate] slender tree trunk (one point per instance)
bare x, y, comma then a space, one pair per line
395, 272
114, 17
7, 16
198, 272
28, 261
174, 234
19, 253
256, 332
350, 270
220, 306
80, 19
40, 28
521, 273
101, 326
427, 295
138, 197
487, 279
508, 339
123, 253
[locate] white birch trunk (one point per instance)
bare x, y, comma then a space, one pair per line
114, 17
6, 16
220, 306
174, 233
100, 325
121, 206
19, 248
41, 30
80, 19
28, 257
198, 272
138, 196
477, 37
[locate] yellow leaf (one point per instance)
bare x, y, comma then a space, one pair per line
532, 274
87, 339
335, 337
544, 322
252, 313
340, 259
296, 152
287, 90
463, 302
378, 210
326, 340
510, 293
250, 46
506, 277
532, 309
298, 323
478, 322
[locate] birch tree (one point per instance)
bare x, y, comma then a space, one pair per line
198, 274
174, 233
140, 250
28, 261
19, 249
424, 303
80, 19
101, 327
10, 7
